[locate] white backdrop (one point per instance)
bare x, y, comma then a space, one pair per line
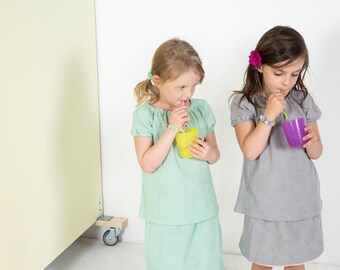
223, 32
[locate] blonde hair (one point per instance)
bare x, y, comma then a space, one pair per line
171, 59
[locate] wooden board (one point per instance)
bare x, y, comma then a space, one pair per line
109, 221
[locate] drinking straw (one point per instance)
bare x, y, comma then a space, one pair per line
286, 115
183, 104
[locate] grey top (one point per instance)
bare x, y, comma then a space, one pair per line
282, 184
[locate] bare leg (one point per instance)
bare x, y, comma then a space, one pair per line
295, 267
255, 266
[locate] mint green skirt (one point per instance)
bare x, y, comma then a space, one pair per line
184, 247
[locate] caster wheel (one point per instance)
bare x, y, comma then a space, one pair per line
110, 238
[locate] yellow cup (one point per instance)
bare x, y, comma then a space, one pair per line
183, 139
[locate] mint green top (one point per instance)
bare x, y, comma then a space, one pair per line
180, 191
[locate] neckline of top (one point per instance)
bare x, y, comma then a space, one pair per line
165, 110
265, 97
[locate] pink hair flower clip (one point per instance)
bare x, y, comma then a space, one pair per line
255, 59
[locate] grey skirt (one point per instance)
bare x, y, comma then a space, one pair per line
281, 243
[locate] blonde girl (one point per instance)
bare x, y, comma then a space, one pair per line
178, 202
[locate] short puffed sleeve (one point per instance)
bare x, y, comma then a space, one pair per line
142, 122
209, 116
241, 111
312, 111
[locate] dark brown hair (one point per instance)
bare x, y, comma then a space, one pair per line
281, 44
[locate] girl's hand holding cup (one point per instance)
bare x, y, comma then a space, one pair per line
312, 136
200, 149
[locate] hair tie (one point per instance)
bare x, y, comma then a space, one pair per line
255, 59
149, 76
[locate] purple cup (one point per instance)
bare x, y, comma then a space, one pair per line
294, 131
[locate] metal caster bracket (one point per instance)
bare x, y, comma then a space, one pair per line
116, 224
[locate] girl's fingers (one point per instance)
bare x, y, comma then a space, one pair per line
179, 109
308, 129
276, 104
201, 142
307, 137
309, 143
194, 152
310, 134
311, 137
179, 116
199, 148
